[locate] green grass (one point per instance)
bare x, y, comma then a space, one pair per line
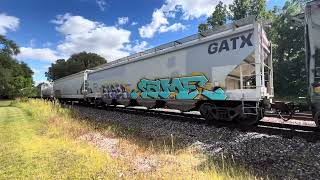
5, 103
40, 140
26, 153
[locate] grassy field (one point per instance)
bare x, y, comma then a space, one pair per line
41, 140
5, 103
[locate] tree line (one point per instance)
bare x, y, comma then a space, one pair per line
290, 78
76, 63
15, 76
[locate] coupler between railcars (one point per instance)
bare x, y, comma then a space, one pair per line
284, 108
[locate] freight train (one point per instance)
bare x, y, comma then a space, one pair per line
225, 73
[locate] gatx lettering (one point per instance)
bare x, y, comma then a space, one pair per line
231, 44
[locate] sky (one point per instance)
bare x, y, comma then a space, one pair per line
47, 30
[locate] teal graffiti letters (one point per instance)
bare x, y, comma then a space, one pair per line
182, 88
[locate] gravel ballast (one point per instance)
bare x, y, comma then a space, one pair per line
263, 154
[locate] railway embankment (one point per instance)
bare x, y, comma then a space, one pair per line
265, 154
42, 140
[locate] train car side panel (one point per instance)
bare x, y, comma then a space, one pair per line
70, 87
170, 75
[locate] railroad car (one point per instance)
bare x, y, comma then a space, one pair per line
311, 21
225, 73
46, 91
72, 87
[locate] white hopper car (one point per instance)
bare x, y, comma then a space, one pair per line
71, 88
224, 73
46, 91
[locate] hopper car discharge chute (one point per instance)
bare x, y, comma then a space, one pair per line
225, 73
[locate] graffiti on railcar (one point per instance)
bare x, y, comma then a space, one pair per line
116, 91
183, 88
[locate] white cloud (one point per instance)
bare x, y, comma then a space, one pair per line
32, 42
39, 72
8, 23
192, 9
137, 47
173, 28
134, 23
123, 20
73, 24
81, 34
101, 4
47, 44
35, 71
42, 54
158, 20
189, 8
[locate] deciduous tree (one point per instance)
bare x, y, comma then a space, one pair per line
290, 78
76, 63
15, 77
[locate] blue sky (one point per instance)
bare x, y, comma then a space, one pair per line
52, 29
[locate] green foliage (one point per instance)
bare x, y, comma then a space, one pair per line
8, 47
15, 77
218, 18
257, 8
203, 27
57, 70
239, 9
219, 15
244, 8
76, 63
290, 77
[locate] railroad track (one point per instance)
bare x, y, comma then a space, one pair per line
270, 127
300, 116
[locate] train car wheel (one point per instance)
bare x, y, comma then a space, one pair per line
208, 111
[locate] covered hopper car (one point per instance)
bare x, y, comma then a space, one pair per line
71, 88
46, 91
225, 73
